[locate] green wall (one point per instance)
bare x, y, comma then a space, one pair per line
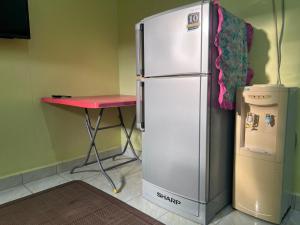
262, 57
73, 51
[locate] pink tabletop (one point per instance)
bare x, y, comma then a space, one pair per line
94, 102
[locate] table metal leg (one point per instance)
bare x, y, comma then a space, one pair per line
92, 131
128, 136
92, 134
87, 125
92, 138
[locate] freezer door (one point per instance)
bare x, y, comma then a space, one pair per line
177, 42
171, 136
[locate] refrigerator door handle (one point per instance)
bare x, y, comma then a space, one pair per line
140, 105
139, 36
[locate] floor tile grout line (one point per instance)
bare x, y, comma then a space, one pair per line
68, 180
139, 195
28, 189
25, 185
163, 214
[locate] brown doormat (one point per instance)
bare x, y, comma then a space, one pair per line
73, 203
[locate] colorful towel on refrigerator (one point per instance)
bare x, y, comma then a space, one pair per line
233, 40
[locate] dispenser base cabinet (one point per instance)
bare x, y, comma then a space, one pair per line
264, 147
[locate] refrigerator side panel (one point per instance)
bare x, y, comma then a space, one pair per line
172, 43
221, 129
221, 152
171, 136
204, 138
207, 38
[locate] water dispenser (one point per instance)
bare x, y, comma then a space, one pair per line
264, 148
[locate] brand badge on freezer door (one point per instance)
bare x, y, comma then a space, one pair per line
193, 21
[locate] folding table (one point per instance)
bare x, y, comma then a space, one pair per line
101, 103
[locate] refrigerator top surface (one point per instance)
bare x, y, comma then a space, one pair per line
198, 3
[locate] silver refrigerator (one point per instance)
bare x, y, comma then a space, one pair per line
187, 140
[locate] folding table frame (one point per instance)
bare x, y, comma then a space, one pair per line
92, 131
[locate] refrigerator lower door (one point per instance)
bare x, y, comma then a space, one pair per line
171, 137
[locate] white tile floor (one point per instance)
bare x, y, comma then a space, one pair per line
131, 176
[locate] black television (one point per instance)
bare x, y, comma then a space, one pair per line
14, 19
